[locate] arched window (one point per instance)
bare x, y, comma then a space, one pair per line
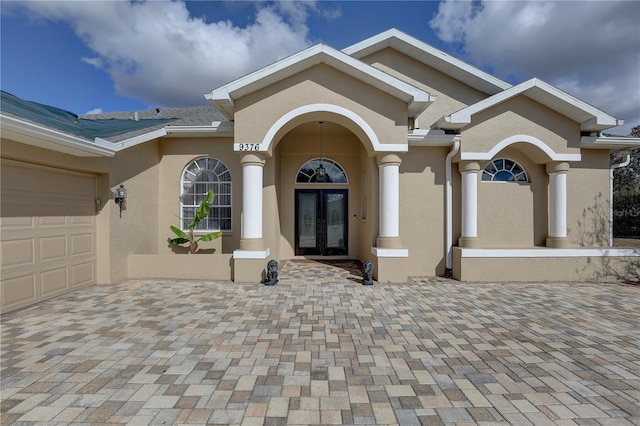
308, 173
504, 170
198, 178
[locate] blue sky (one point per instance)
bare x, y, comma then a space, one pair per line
120, 56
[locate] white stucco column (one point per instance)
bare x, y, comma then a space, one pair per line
252, 171
557, 235
389, 201
469, 171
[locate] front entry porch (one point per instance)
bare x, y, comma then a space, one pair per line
321, 222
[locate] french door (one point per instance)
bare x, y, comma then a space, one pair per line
321, 222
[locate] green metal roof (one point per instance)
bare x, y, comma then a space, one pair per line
71, 123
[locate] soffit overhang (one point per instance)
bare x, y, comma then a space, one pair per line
33, 134
429, 56
223, 98
590, 118
612, 143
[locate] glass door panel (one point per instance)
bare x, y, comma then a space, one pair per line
321, 222
335, 218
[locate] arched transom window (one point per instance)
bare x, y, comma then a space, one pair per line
334, 173
504, 170
198, 178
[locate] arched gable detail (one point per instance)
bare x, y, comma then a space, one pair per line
546, 149
340, 115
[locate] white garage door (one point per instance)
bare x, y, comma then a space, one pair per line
48, 233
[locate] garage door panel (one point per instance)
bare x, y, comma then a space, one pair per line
82, 244
52, 182
17, 252
81, 188
48, 236
18, 290
52, 248
16, 212
51, 208
7, 223
83, 273
53, 281
52, 221
81, 221
16, 179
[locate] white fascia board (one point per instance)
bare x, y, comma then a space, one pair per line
177, 131
430, 137
224, 96
609, 142
220, 130
428, 55
222, 102
539, 91
137, 140
43, 137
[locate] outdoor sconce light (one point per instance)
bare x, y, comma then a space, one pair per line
120, 197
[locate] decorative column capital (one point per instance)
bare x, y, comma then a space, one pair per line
557, 167
469, 167
389, 158
252, 158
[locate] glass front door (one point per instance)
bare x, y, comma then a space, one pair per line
321, 222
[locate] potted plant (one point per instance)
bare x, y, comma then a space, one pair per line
188, 237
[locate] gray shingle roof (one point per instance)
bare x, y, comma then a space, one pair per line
185, 116
111, 126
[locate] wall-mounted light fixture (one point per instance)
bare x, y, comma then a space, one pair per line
121, 197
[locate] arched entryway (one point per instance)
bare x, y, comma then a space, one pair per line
321, 219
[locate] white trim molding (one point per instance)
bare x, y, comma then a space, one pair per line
589, 117
430, 56
385, 252
553, 156
224, 97
282, 123
44, 137
251, 254
544, 252
609, 142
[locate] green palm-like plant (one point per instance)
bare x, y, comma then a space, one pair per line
188, 237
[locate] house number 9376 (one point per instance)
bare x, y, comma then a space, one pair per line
249, 147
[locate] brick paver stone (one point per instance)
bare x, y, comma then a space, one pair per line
320, 348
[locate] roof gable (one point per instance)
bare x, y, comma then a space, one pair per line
430, 56
224, 97
589, 117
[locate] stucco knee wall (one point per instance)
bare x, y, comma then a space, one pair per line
567, 266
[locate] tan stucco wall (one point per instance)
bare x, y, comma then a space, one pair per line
189, 267
422, 210
257, 112
521, 269
134, 232
521, 116
588, 199
176, 155
513, 214
452, 95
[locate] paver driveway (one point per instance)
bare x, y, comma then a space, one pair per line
319, 348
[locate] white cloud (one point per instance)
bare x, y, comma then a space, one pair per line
159, 53
94, 111
590, 49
